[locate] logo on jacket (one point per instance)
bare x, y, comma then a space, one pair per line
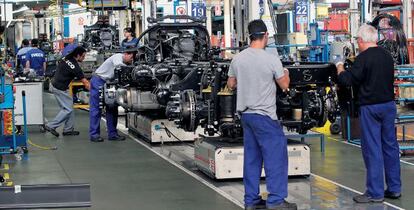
70, 64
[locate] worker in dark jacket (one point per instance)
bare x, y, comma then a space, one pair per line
67, 70
373, 75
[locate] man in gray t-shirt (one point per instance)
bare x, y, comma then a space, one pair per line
255, 73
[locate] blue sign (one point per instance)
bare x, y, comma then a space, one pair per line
198, 9
301, 8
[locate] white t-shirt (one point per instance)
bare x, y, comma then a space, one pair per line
107, 69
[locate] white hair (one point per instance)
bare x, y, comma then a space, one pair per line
368, 33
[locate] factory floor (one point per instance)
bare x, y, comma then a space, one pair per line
135, 175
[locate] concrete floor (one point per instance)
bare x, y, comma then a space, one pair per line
127, 175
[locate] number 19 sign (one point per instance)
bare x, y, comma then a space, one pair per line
198, 9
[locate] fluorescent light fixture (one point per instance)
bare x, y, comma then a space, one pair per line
21, 9
23, 1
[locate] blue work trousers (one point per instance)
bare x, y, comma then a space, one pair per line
95, 112
380, 148
264, 143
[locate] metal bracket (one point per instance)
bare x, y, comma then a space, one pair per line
45, 196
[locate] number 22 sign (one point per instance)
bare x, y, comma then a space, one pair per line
301, 8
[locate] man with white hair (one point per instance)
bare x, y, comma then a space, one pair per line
373, 75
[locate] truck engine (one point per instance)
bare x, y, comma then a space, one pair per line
307, 104
171, 57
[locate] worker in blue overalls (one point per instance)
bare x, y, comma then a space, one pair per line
372, 74
255, 72
105, 73
130, 41
35, 59
21, 56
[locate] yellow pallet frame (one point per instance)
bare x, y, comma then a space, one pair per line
71, 86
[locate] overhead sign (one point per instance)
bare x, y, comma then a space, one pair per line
301, 8
198, 9
180, 10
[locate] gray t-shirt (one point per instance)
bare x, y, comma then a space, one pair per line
255, 71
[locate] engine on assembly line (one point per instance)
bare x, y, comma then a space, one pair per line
171, 57
306, 105
177, 73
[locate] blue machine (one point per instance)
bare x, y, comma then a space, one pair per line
318, 43
10, 143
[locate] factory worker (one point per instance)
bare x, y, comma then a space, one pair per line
130, 41
67, 70
372, 74
35, 59
255, 73
104, 73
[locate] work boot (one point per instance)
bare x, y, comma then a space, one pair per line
71, 133
117, 138
97, 139
52, 131
367, 199
284, 206
391, 195
260, 205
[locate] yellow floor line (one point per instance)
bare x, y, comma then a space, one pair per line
5, 167
6, 176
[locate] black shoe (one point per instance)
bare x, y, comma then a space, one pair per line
391, 195
71, 133
260, 205
284, 206
97, 139
52, 131
367, 199
117, 138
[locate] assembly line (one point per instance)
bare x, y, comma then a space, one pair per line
206, 105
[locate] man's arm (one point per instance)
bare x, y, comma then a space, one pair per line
44, 66
232, 83
86, 83
232, 80
354, 76
284, 81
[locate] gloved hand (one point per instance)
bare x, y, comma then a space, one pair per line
338, 60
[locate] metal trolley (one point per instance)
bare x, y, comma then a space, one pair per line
404, 88
11, 141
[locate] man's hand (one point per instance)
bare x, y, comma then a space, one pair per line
338, 60
232, 83
86, 83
